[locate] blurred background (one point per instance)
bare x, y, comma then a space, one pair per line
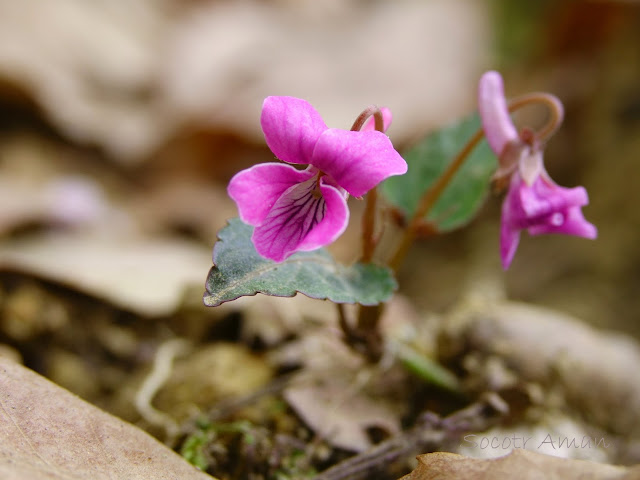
121, 123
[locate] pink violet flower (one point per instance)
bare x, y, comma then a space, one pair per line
300, 210
533, 202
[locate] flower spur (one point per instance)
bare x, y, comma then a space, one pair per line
534, 201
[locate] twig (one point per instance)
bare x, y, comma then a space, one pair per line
430, 433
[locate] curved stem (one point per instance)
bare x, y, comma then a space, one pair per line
364, 116
369, 216
553, 104
366, 333
429, 198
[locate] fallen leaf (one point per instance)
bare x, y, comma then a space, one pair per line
87, 66
338, 396
520, 464
65, 201
177, 204
341, 414
147, 276
48, 433
224, 58
127, 78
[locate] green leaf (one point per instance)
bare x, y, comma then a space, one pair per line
239, 270
464, 196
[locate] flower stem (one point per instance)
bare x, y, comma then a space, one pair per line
368, 224
365, 336
364, 116
429, 198
553, 104
369, 216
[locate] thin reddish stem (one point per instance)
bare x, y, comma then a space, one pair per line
369, 216
364, 116
553, 104
429, 199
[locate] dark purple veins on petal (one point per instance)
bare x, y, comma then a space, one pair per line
292, 217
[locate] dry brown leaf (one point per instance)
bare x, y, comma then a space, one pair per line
48, 433
127, 78
44, 183
71, 201
419, 58
520, 464
340, 413
185, 204
338, 396
147, 276
89, 66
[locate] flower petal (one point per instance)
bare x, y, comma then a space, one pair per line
541, 209
334, 222
357, 161
291, 128
545, 197
492, 105
530, 164
387, 117
301, 219
513, 219
568, 222
509, 239
257, 189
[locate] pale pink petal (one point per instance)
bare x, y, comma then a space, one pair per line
291, 224
370, 126
291, 128
357, 161
257, 189
492, 105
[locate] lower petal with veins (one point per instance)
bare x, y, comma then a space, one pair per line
292, 217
